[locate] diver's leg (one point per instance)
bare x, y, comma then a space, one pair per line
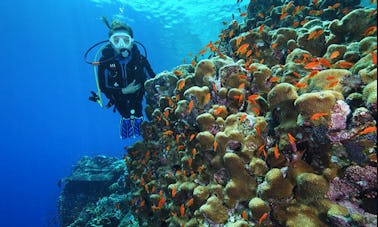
123, 106
136, 105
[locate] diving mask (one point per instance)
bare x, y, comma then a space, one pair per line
121, 42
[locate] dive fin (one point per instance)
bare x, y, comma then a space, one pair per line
130, 127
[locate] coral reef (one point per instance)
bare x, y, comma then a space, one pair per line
277, 127
269, 129
95, 194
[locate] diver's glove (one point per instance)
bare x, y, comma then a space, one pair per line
94, 97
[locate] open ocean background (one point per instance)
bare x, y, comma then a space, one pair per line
47, 121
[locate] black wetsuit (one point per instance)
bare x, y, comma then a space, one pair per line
118, 73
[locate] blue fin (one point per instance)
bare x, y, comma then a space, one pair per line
130, 127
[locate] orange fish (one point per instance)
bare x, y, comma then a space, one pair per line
291, 138
193, 63
244, 215
318, 115
263, 217
276, 152
330, 77
296, 74
372, 13
194, 152
243, 14
190, 161
300, 85
190, 106
190, 202
231, 33
257, 111
243, 48
207, 98
374, 57
243, 77
345, 65
219, 110
312, 35
177, 72
180, 84
334, 54
289, 5
261, 15
242, 118
199, 169
319, 33
238, 40
241, 86
174, 190
166, 114
324, 62
261, 28
303, 22
368, 130
192, 137
262, 150
182, 210
258, 131
346, 10
274, 79
210, 44
315, 12
283, 16
295, 24
312, 65
315, 34
202, 52
312, 73
215, 145
274, 45
252, 98
161, 202
370, 31
248, 53
334, 6
168, 133
180, 147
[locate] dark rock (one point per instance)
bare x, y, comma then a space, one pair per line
84, 192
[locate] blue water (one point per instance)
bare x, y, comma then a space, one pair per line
47, 121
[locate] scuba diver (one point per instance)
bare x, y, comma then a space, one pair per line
121, 73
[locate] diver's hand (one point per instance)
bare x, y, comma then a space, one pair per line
131, 88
